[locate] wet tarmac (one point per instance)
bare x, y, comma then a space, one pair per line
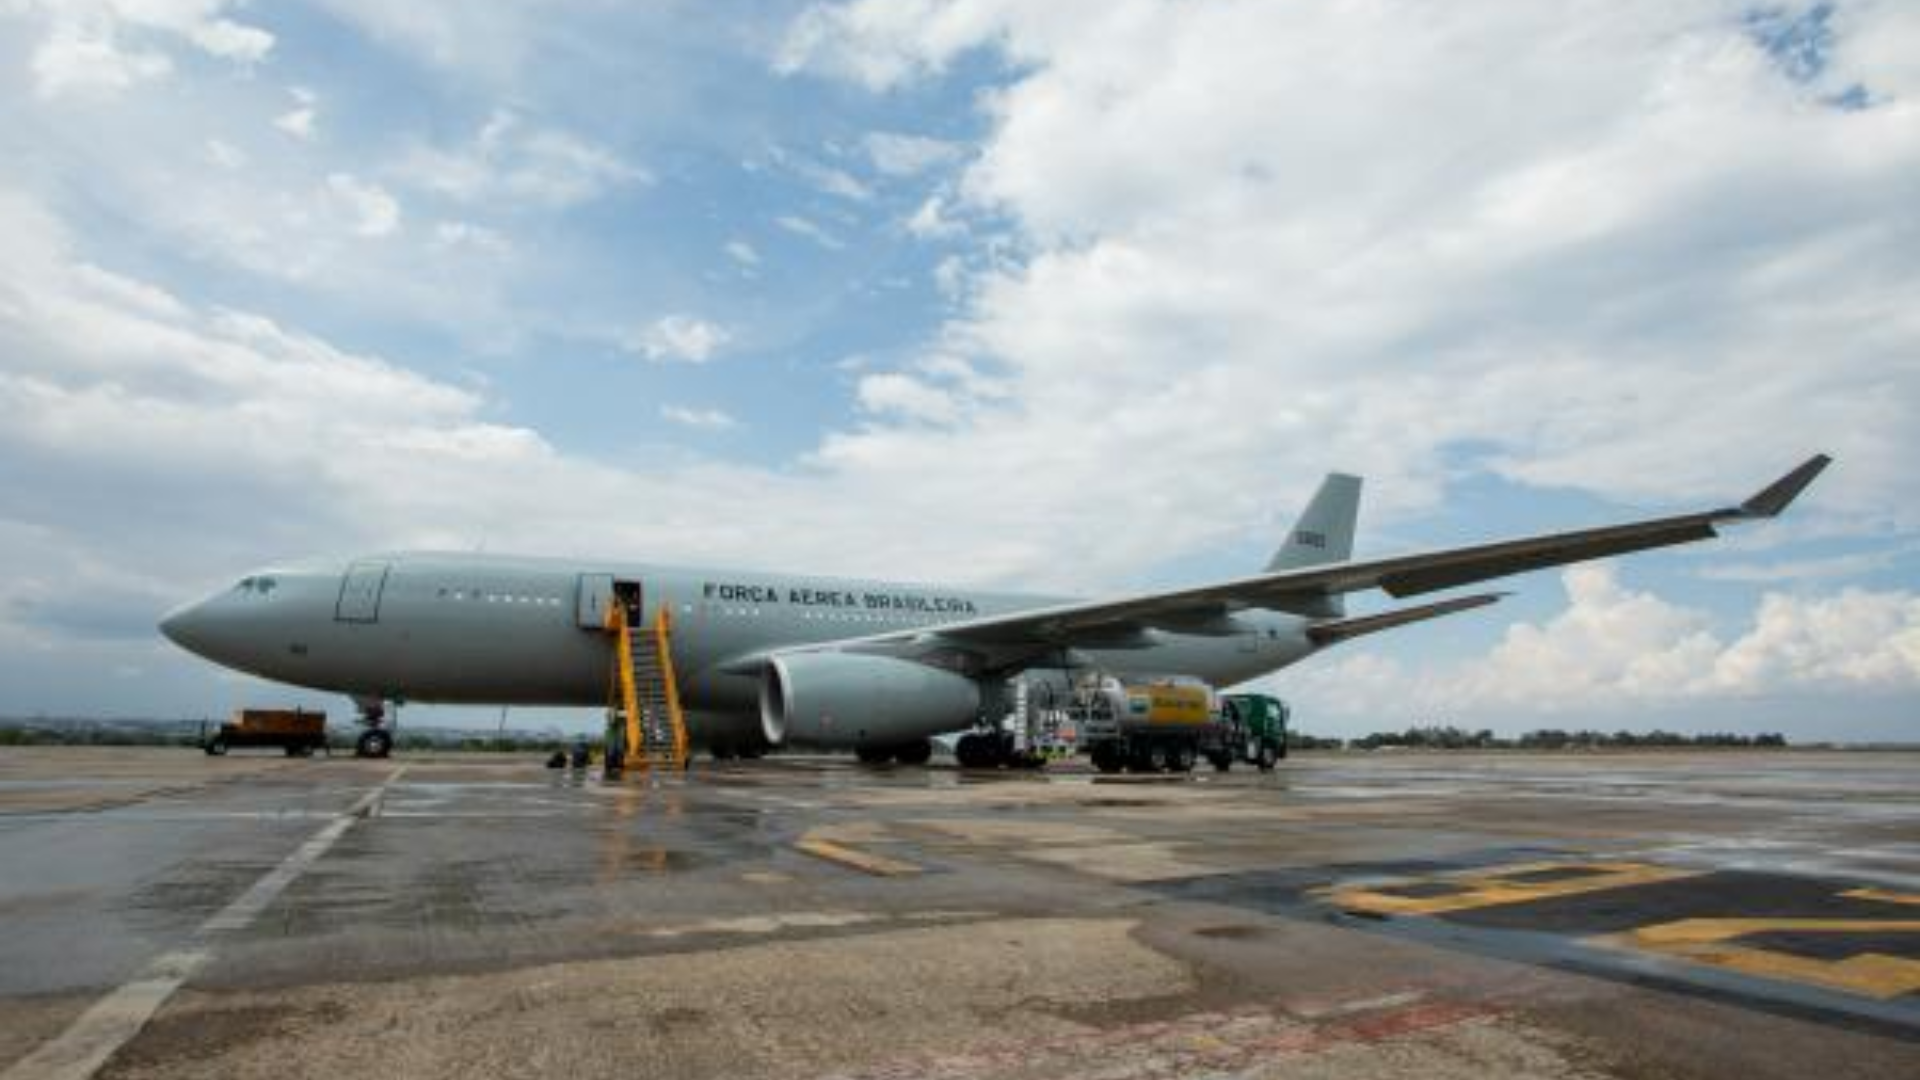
1580, 915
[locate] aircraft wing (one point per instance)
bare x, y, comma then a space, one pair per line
1203, 609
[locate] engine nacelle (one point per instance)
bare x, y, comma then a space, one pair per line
834, 700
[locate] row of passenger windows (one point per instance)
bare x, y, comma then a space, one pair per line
829, 615
489, 597
446, 592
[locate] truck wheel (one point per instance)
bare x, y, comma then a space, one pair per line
216, 747
374, 744
1108, 758
1159, 758
1267, 757
917, 752
1222, 760
1180, 758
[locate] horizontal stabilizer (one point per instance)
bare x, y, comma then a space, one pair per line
1332, 633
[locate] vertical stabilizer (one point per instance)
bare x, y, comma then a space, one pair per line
1324, 533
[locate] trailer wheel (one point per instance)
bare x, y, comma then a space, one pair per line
1222, 760
1180, 757
216, 746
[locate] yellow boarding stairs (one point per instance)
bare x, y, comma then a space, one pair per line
643, 701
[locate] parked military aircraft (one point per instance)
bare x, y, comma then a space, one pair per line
772, 659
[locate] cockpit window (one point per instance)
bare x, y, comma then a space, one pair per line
261, 585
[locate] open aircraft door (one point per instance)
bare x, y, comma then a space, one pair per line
590, 606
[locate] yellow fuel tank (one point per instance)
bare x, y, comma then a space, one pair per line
1168, 705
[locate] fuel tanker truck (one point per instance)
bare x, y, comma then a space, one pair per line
1145, 725
1167, 725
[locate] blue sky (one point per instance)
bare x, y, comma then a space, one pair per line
1075, 297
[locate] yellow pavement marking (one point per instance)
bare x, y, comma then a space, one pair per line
1501, 885
1885, 896
864, 861
1712, 941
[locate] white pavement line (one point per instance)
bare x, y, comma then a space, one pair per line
78, 1052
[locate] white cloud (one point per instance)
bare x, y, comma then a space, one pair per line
930, 221
467, 236
106, 46
375, 212
1580, 249
507, 160
903, 396
742, 252
882, 43
72, 59
800, 226
1810, 569
681, 338
1614, 647
225, 154
701, 419
908, 155
299, 120
836, 182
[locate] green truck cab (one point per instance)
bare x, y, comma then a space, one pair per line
1254, 731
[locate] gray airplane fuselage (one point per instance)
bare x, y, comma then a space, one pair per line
481, 629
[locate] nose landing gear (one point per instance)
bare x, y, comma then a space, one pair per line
377, 740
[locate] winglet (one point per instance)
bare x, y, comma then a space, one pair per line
1778, 494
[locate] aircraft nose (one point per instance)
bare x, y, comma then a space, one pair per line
186, 626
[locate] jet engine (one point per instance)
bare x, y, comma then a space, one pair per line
833, 700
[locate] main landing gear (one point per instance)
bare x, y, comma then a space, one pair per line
914, 752
992, 749
377, 740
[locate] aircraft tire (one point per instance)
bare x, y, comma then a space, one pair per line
971, 752
917, 752
373, 744
872, 755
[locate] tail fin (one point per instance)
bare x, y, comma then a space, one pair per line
1324, 533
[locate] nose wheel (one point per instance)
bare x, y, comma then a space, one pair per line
377, 740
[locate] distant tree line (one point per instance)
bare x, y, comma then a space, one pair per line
1453, 738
